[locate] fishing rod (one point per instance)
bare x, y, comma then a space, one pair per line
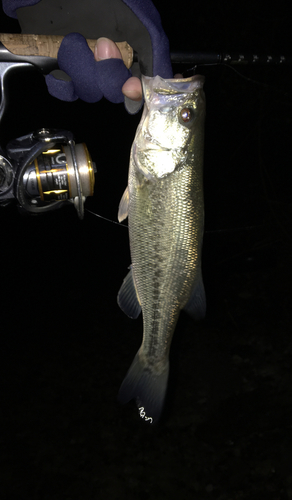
44, 170
42, 51
232, 58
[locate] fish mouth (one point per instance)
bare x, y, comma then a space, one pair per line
153, 146
155, 161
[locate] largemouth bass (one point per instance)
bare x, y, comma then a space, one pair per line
165, 208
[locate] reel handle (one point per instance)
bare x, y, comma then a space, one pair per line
48, 46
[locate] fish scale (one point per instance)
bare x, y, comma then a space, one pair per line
165, 209
166, 244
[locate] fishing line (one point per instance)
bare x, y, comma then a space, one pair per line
194, 69
246, 77
105, 218
208, 231
237, 229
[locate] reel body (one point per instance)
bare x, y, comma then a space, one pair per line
45, 169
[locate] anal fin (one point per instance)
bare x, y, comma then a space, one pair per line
127, 297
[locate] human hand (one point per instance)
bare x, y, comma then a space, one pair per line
107, 49
134, 21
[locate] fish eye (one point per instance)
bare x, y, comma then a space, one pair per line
186, 114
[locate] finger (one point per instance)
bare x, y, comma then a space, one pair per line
106, 49
132, 88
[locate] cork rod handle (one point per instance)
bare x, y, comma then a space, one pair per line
48, 46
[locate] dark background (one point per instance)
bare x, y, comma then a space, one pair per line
226, 432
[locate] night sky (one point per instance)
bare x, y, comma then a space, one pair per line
66, 346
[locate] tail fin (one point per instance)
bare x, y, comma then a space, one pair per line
147, 386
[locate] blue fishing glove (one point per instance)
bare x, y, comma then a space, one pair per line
136, 21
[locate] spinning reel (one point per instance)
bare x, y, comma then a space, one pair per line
45, 170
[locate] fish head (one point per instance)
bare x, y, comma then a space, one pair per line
173, 112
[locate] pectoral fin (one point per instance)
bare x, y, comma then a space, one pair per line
124, 206
127, 297
196, 306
